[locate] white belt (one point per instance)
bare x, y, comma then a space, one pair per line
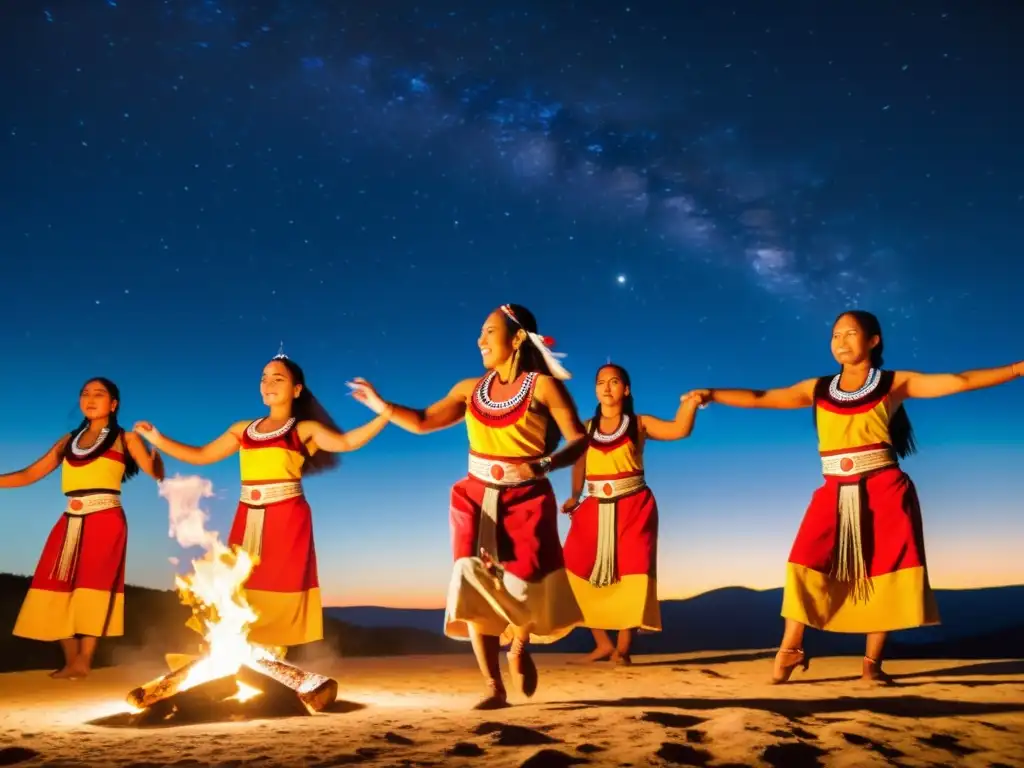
608, 492
270, 493
493, 472
496, 471
256, 497
856, 462
76, 509
80, 506
610, 489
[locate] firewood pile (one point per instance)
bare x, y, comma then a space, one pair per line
260, 688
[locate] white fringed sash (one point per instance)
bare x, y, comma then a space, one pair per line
256, 498
850, 565
77, 509
609, 492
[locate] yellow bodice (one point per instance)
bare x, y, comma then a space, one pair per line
507, 429
272, 457
100, 473
851, 420
614, 454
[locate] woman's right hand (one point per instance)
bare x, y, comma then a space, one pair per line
570, 505
146, 430
364, 392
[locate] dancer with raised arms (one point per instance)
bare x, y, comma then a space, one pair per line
611, 552
273, 522
77, 592
509, 582
858, 562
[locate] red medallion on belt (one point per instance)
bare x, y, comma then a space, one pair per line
607, 489
497, 471
846, 464
77, 505
255, 495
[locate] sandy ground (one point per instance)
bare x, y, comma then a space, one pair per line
696, 709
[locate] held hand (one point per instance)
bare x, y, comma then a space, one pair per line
701, 396
363, 391
147, 431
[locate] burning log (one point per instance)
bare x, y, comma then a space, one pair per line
148, 694
315, 691
195, 702
287, 689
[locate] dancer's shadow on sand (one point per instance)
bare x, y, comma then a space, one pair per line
794, 709
218, 713
724, 658
938, 676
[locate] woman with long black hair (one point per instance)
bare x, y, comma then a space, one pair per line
508, 582
611, 552
273, 522
858, 562
77, 591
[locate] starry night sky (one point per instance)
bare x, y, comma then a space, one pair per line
693, 189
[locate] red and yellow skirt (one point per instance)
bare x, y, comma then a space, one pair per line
283, 588
78, 585
858, 562
517, 524
611, 555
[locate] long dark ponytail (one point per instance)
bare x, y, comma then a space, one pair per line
628, 407
114, 430
530, 360
901, 431
307, 408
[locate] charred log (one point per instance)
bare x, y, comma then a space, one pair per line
313, 690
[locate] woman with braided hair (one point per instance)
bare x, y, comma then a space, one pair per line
509, 583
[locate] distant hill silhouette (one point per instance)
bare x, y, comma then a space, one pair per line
978, 623
736, 618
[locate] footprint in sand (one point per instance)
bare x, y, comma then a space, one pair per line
551, 758
949, 743
15, 755
394, 738
672, 720
793, 755
797, 732
513, 735
863, 741
683, 754
465, 749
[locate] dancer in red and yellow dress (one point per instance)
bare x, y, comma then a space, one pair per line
611, 552
77, 592
858, 563
509, 582
274, 521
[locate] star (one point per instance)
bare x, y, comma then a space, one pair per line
620, 279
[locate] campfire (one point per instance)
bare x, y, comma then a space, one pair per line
231, 676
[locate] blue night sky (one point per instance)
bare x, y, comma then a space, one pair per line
693, 189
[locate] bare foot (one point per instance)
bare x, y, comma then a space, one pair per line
497, 699
622, 659
71, 672
524, 671
598, 654
872, 674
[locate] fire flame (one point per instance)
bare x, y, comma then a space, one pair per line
215, 588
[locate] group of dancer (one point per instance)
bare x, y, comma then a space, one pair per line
857, 564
